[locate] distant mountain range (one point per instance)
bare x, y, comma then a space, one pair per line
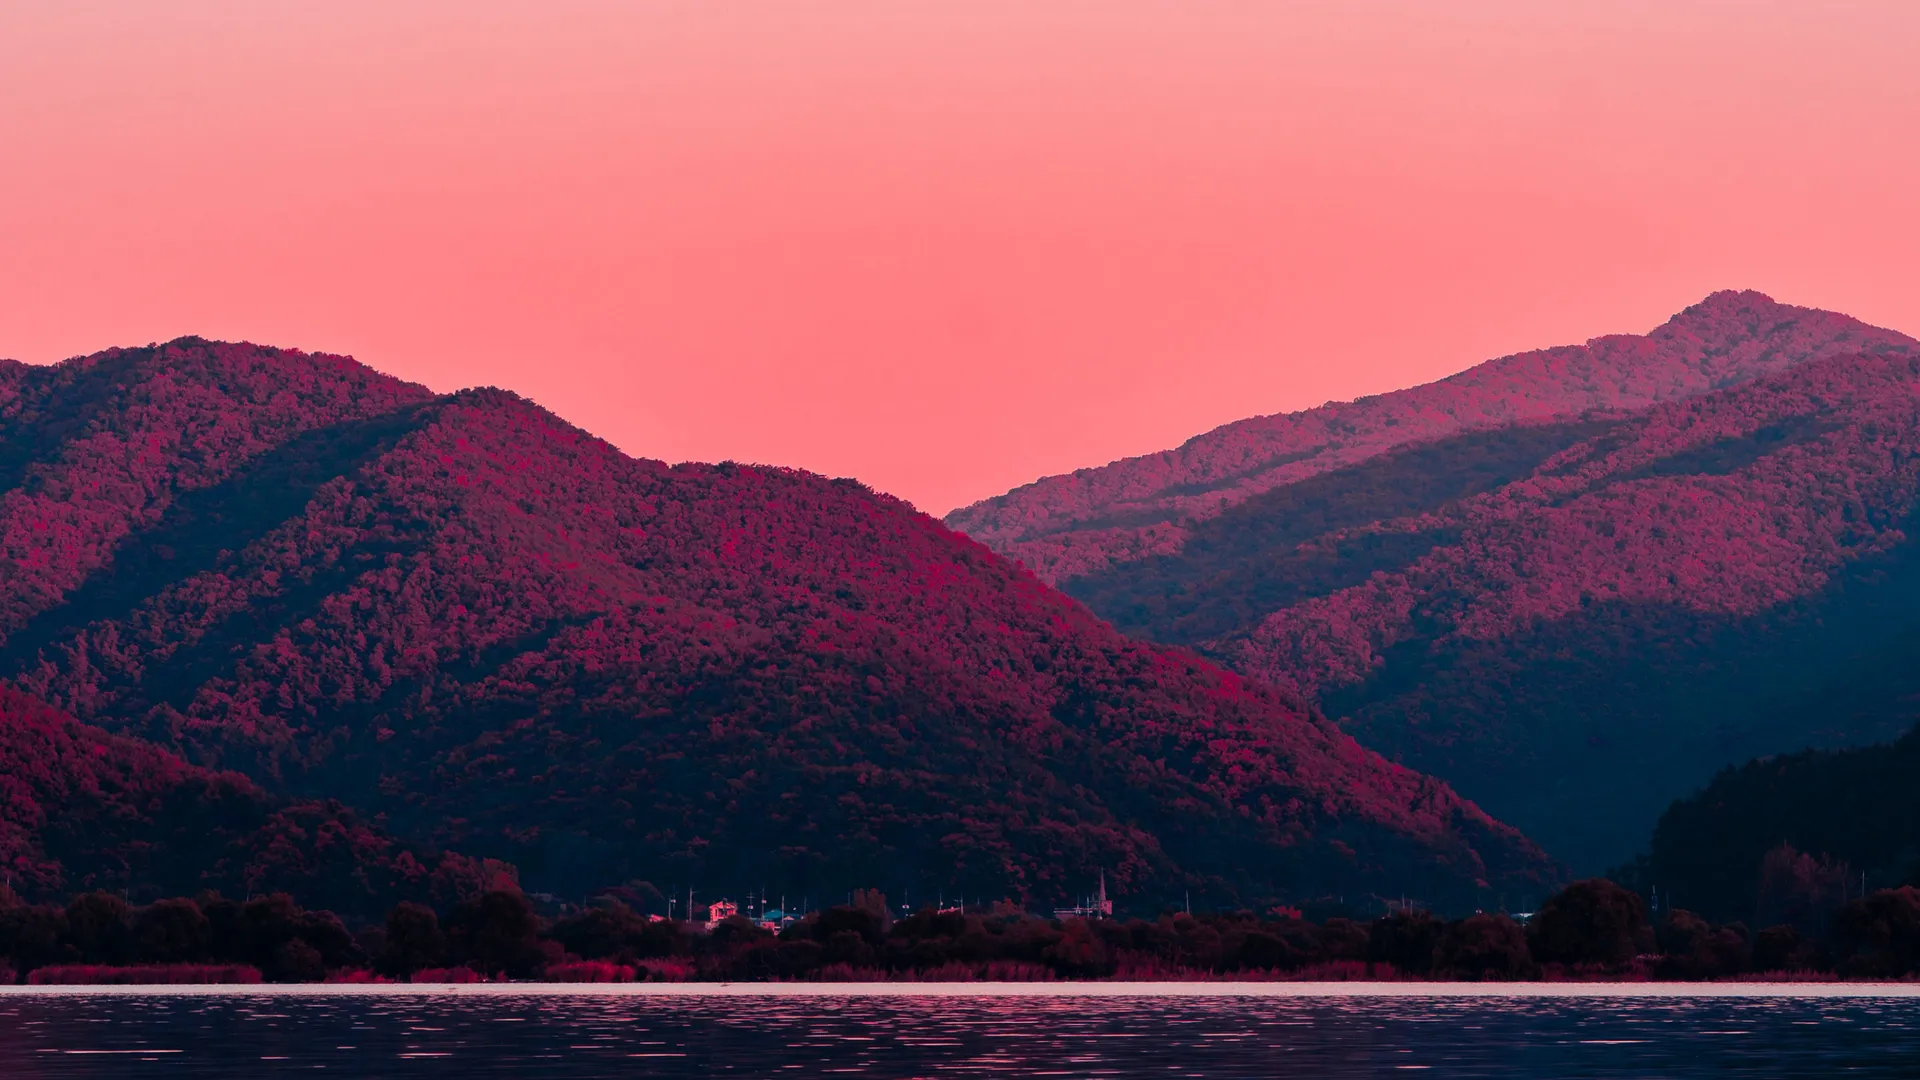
1575, 583
481, 629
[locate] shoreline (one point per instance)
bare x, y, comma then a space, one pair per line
1037, 991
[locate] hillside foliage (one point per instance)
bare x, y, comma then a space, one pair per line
500, 635
1576, 619
81, 809
1094, 519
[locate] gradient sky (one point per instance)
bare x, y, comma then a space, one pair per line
943, 247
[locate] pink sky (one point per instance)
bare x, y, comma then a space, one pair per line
943, 247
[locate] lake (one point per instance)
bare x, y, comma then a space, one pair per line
938, 1030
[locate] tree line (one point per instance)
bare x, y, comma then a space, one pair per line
1591, 930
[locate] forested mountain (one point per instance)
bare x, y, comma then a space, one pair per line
1070, 526
1806, 830
1576, 621
501, 635
1721, 578
81, 809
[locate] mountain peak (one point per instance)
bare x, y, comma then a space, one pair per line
1732, 314
1082, 523
1728, 301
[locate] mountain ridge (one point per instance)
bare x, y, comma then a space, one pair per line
1075, 524
1600, 611
500, 634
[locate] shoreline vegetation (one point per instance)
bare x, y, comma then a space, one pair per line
1592, 932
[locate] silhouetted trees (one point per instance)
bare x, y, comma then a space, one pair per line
1692, 948
1790, 839
1593, 922
497, 933
1880, 934
1483, 947
1588, 932
412, 941
1405, 940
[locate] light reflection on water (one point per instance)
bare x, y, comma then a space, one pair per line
569, 1037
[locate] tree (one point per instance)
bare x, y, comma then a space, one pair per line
1589, 922
413, 941
1691, 949
864, 922
171, 932
1262, 950
498, 933
97, 928
1880, 935
1485, 946
1405, 940
1079, 951
1780, 948
34, 936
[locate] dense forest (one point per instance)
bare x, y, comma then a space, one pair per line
495, 634
81, 809
1791, 838
1094, 519
1721, 578
1592, 930
1577, 620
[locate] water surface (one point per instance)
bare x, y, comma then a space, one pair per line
1291, 1031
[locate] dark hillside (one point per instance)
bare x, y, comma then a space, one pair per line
1842, 816
1577, 620
1722, 578
81, 809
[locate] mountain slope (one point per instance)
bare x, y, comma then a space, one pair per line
1848, 812
1092, 520
503, 635
1590, 613
80, 809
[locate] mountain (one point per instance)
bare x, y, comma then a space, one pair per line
1579, 619
87, 810
496, 633
1722, 578
1066, 527
1775, 830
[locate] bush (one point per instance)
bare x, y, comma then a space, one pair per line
589, 971
142, 974
447, 975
